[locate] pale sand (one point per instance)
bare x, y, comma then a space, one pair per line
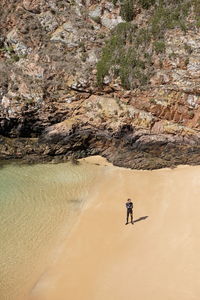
157, 258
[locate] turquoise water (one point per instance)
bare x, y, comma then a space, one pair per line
37, 206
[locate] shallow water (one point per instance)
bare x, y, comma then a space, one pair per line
37, 206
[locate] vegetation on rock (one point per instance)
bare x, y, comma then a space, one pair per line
122, 56
127, 53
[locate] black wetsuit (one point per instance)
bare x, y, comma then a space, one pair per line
129, 206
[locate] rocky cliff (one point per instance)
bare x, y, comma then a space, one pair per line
120, 79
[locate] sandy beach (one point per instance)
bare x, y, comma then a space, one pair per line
156, 258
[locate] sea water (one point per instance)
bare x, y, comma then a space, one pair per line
37, 206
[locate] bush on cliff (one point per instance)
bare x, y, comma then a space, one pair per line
127, 53
127, 11
121, 58
129, 7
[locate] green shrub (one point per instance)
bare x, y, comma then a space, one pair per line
159, 46
143, 36
15, 57
196, 5
152, 101
146, 4
114, 2
127, 54
198, 22
106, 61
188, 48
187, 60
9, 49
122, 60
127, 10
165, 17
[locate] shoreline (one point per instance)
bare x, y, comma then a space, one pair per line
97, 160
123, 148
146, 165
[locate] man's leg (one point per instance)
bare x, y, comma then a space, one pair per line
131, 216
127, 215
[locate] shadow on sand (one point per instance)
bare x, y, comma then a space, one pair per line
141, 219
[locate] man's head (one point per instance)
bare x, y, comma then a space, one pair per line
129, 200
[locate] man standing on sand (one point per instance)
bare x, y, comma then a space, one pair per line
129, 206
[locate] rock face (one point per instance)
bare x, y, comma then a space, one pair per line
52, 108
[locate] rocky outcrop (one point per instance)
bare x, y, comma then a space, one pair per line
51, 107
114, 129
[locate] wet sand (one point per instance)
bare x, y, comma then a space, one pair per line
156, 258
